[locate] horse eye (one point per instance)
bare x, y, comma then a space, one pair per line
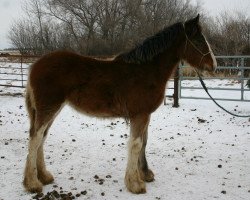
199, 40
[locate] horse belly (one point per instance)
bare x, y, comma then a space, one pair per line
93, 104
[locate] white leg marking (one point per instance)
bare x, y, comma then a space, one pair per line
134, 148
133, 180
43, 175
40, 157
31, 181
34, 144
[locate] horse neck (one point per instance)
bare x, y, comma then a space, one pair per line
171, 58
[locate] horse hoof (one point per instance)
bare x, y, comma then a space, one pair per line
149, 176
33, 186
134, 184
45, 177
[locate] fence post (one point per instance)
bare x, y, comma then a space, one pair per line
176, 88
22, 70
242, 79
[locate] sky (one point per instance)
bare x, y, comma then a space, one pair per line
11, 10
215, 7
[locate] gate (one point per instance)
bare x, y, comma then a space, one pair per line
14, 70
230, 76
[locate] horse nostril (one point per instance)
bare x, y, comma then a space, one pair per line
214, 68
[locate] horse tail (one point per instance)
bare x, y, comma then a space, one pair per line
30, 106
28, 100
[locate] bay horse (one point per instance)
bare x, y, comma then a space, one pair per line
130, 86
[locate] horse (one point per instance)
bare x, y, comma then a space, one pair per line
129, 86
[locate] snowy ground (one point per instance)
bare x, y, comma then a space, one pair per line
196, 151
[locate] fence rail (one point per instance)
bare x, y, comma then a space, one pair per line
240, 66
14, 70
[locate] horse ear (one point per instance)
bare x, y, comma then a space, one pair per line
197, 19
192, 26
193, 21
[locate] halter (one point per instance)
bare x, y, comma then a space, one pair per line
194, 46
200, 79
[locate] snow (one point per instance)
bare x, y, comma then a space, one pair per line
184, 152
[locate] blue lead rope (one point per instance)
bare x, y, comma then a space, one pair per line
205, 88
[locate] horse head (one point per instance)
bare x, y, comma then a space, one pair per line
197, 51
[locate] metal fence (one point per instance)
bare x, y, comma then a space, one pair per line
14, 70
230, 68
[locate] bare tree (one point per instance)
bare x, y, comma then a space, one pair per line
94, 26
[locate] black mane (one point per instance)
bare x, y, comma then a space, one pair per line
152, 46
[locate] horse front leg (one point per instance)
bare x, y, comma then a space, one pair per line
146, 174
133, 179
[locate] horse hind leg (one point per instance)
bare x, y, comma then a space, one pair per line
42, 173
35, 174
31, 182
